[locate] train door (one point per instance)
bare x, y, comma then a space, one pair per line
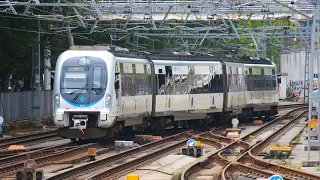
170, 88
263, 87
212, 75
191, 87
117, 85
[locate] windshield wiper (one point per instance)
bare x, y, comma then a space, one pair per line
78, 94
97, 90
83, 88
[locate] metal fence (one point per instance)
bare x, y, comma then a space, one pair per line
17, 105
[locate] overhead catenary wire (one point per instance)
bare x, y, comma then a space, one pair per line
44, 32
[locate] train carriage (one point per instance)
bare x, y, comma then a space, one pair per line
100, 92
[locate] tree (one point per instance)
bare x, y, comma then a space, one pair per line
16, 47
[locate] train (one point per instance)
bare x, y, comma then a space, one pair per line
101, 91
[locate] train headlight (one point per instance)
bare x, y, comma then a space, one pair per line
108, 100
57, 100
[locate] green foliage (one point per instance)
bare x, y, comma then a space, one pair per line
297, 138
293, 166
16, 47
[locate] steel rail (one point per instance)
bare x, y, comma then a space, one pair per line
127, 167
274, 167
45, 158
29, 139
31, 154
214, 157
17, 138
293, 174
108, 161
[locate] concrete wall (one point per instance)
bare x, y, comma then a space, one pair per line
17, 105
293, 63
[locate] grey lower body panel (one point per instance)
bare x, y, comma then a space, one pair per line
261, 107
90, 133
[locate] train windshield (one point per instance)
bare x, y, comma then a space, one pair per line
74, 78
85, 77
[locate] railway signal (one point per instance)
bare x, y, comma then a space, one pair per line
30, 172
194, 149
92, 152
185, 151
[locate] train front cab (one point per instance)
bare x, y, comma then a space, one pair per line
83, 94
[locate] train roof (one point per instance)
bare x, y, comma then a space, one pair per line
173, 56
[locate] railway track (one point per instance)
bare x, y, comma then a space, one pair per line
290, 106
117, 165
30, 139
250, 156
229, 166
130, 166
48, 155
42, 157
30, 154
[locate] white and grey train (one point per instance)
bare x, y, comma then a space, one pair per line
100, 92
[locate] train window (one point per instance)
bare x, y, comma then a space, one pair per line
242, 82
261, 83
121, 67
235, 83
233, 79
206, 83
198, 89
169, 71
211, 85
216, 83
250, 71
273, 72
139, 84
177, 84
97, 77
268, 82
161, 89
127, 84
169, 81
184, 84
249, 82
141, 80
274, 82
133, 68
229, 82
191, 80
116, 82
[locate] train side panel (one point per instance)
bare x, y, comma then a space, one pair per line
134, 94
251, 88
188, 90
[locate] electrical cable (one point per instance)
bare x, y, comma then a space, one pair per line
44, 32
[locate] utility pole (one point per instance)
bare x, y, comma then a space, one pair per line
36, 81
70, 37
